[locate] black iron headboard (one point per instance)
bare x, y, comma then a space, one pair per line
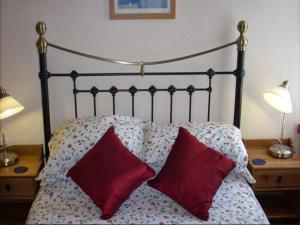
44, 75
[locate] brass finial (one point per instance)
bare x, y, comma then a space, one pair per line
40, 28
242, 40
41, 43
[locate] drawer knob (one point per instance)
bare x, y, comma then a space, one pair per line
279, 179
7, 187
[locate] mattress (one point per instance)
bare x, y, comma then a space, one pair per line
64, 202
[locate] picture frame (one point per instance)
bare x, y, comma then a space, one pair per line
142, 9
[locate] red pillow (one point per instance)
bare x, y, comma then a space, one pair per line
109, 173
192, 174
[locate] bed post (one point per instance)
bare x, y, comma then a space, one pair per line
240, 72
44, 75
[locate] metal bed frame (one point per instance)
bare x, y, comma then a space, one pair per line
44, 75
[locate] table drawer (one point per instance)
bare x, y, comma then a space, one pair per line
277, 181
19, 188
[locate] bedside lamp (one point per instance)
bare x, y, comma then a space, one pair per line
8, 107
279, 98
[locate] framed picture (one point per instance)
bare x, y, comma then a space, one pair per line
142, 9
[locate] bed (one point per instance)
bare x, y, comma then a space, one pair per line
64, 203
60, 200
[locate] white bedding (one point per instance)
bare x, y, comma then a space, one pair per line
61, 201
64, 202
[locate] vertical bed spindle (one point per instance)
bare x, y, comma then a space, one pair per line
210, 74
152, 91
190, 89
74, 76
94, 91
132, 90
113, 90
171, 90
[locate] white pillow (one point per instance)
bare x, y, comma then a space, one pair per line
73, 138
224, 138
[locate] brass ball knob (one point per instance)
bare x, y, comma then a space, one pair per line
242, 26
40, 28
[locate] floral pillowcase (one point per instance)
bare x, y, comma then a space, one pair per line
224, 138
73, 138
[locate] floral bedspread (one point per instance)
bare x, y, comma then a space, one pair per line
64, 202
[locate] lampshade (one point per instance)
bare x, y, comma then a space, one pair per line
8, 105
279, 97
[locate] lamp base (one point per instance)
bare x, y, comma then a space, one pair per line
10, 159
281, 151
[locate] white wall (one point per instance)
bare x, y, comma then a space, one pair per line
271, 57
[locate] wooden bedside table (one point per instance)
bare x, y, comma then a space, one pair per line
17, 191
277, 186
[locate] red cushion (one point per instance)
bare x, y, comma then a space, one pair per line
192, 174
109, 173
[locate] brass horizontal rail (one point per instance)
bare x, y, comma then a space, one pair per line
141, 63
